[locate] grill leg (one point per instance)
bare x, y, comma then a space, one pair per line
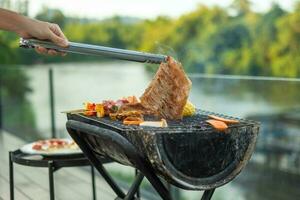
93, 182
174, 191
207, 194
138, 194
156, 183
97, 164
135, 187
11, 176
51, 181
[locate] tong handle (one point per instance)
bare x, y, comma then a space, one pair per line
88, 49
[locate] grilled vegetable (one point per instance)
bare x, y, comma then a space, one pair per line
227, 121
114, 109
219, 125
189, 109
99, 108
90, 109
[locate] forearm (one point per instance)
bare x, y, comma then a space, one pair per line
11, 21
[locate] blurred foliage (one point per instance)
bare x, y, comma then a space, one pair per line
233, 40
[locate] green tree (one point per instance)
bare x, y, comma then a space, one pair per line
52, 15
242, 7
285, 50
264, 35
207, 40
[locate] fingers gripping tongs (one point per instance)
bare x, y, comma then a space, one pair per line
88, 49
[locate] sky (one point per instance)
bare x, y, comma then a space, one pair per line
100, 9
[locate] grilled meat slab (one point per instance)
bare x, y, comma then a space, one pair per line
168, 92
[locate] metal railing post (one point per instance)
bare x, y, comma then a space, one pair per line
52, 108
1, 106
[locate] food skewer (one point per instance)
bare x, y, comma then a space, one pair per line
78, 111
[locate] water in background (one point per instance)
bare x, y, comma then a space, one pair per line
268, 101
76, 83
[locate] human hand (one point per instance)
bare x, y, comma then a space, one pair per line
44, 31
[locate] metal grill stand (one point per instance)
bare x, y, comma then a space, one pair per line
78, 130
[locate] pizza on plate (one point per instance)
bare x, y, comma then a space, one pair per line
54, 145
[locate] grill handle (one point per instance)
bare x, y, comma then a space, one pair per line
89, 49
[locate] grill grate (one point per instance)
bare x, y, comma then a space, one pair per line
196, 122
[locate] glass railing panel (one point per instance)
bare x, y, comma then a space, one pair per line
25, 102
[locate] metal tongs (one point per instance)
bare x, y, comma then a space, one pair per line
88, 49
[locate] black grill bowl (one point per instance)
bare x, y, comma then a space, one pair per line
189, 153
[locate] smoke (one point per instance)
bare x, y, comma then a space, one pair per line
165, 50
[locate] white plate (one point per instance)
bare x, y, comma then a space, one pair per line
28, 150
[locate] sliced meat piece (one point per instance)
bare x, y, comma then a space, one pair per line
168, 92
122, 115
135, 107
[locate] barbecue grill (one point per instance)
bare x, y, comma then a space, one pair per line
189, 153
